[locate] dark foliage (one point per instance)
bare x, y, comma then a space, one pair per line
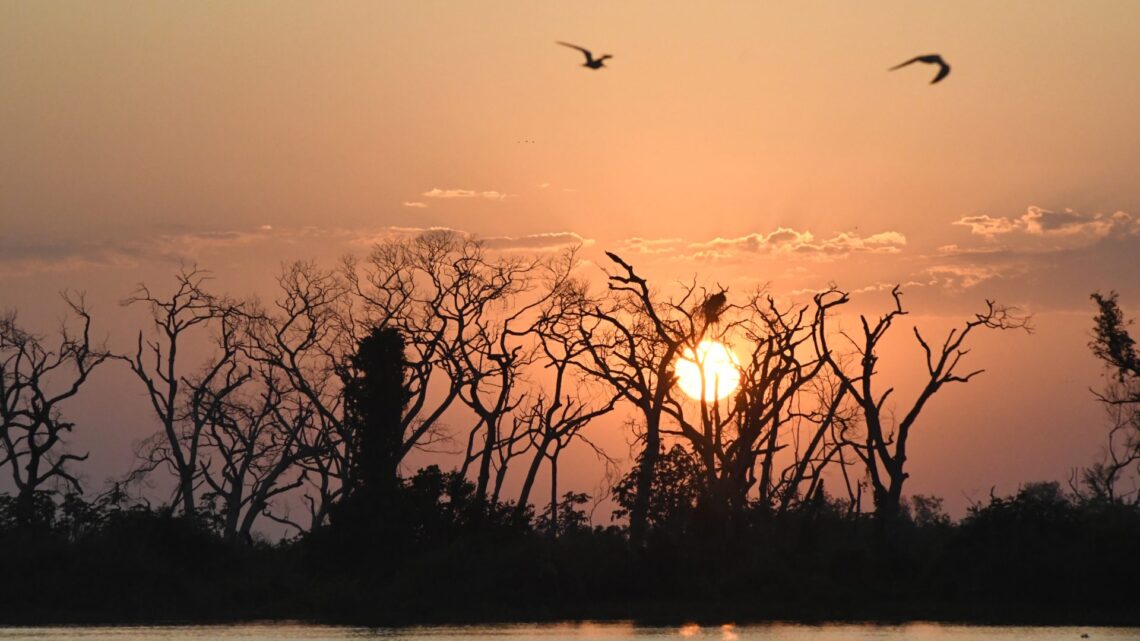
1039, 555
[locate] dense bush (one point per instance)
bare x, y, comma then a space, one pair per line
435, 555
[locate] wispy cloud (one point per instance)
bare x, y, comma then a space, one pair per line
1063, 225
465, 193
962, 277
28, 258
414, 204
791, 242
650, 246
537, 242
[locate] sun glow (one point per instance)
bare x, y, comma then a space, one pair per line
720, 368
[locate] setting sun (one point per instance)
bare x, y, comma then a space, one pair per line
720, 367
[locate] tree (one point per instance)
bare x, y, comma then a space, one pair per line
565, 405
303, 341
1112, 343
468, 318
632, 342
672, 498
738, 441
36, 379
158, 365
883, 448
374, 400
1115, 347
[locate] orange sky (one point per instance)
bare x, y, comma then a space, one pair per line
745, 142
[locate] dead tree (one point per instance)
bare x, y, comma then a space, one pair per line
300, 345
883, 448
251, 436
738, 439
35, 380
158, 364
467, 319
401, 285
563, 406
632, 343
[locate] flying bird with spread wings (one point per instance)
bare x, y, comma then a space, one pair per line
930, 59
591, 61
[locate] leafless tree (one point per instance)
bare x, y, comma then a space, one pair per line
566, 401
300, 345
251, 432
182, 317
883, 447
1115, 477
35, 380
468, 319
404, 284
778, 408
632, 342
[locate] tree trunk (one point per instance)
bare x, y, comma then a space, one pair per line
638, 515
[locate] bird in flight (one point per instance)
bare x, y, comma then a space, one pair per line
930, 59
591, 61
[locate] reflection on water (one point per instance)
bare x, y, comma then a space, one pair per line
592, 631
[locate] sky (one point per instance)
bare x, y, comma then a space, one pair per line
742, 142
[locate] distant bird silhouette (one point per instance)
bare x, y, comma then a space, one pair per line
930, 59
591, 61
713, 305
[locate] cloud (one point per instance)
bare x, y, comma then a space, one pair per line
649, 245
465, 193
962, 277
415, 204
1066, 225
986, 226
785, 241
544, 241
28, 258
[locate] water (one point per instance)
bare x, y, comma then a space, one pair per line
586, 631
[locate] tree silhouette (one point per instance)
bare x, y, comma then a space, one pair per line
1120, 397
35, 379
374, 400
157, 364
883, 447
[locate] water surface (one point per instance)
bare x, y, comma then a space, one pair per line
585, 631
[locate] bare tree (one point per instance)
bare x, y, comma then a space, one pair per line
739, 444
468, 319
883, 447
251, 433
420, 287
159, 365
562, 407
632, 343
300, 346
35, 380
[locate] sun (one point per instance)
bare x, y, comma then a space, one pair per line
721, 371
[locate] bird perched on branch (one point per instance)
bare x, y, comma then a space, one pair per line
713, 306
591, 61
930, 59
